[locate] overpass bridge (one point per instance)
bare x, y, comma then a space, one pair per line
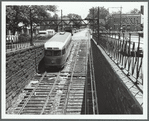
102, 76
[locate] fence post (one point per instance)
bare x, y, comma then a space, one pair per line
129, 43
138, 60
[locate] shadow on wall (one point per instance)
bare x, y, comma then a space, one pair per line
41, 67
113, 96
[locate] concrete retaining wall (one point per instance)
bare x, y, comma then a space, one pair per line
21, 66
113, 96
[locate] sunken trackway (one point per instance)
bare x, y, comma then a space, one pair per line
68, 91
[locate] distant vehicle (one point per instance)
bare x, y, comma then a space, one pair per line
51, 32
69, 29
42, 34
57, 49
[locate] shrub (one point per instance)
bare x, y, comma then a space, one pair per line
24, 38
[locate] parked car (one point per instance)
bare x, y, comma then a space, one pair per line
42, 34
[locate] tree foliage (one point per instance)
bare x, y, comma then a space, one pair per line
93, 13
24, 14
73, 16
135, 11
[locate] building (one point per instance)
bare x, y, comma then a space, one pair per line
129, 22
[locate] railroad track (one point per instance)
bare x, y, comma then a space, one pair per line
91, 102
74, 96
62, 92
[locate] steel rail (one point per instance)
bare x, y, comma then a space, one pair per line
86, 84
32, 93
93, 85
66, 102
91, 77
49, 94
85, 97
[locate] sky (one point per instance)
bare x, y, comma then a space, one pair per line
82, 8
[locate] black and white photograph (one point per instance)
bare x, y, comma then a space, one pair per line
74, 60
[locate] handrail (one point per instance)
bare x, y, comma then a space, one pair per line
126, 51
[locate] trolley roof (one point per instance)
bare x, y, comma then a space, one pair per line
58, 40
50, 30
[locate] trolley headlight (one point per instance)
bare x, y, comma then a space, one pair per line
52, 61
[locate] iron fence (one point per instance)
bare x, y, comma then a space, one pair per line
126, 50
13, 42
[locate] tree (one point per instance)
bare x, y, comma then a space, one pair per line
24, 14
73, 19
55, 16
93, 13
134, 11
73, 16
15, 15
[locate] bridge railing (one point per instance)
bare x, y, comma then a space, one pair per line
125, 49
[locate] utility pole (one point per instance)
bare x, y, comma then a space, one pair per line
93, 20
120, 17
120, 28
142, 17
31, 40
61, 21
98, 25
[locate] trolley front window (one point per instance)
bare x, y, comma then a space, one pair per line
56, 52
48, 52
42, 33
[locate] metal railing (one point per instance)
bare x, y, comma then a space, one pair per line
13, 42
126, 50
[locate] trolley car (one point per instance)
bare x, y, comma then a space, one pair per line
57, 49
